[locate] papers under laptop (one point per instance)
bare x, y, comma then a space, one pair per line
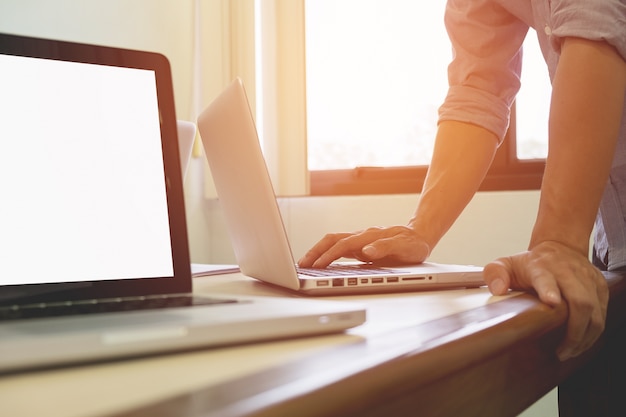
94, 259
256, 228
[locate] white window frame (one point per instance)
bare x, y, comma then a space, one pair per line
283, 94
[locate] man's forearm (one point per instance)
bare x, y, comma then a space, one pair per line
462, 156
586, 108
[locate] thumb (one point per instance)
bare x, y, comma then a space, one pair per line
398, 250
497, 275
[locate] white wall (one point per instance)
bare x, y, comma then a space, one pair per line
155, 25
495, 223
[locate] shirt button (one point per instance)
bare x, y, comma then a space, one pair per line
547, 30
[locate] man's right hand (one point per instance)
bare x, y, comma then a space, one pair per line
395, 244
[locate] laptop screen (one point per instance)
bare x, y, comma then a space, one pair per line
81, 145
84, 165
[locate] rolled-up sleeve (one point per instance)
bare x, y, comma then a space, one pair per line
601, 20
484, 75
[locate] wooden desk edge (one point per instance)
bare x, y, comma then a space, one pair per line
494, 360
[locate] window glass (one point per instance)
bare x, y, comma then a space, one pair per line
533, 103
376, 74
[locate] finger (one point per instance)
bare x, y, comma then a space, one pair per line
397, 249
577, 328
320, 248
348, 247
546, 286
497, 275
589, 314
572, 347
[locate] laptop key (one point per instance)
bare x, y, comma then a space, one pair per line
339, 270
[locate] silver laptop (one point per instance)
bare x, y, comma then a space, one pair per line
94, 259
256, 228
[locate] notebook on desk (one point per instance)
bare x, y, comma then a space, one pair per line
256, 229
94, 257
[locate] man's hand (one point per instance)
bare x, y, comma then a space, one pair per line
395, 244
556, 273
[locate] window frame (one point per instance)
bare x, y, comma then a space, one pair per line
507, 173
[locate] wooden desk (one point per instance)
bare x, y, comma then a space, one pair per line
451, 353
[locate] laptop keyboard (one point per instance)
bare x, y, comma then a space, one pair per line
111, 305
339, 270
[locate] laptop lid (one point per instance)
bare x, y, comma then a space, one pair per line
245, 190
90, 172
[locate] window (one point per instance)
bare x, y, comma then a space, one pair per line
373, 88
372, 94
533, 104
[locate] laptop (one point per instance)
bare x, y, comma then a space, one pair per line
94, 258
256, 228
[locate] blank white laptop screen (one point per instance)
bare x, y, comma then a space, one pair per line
94, 255
99, 210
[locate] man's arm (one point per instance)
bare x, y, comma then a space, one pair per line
587, 104
463, 153
585, 116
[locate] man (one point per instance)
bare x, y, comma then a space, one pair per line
584, 44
